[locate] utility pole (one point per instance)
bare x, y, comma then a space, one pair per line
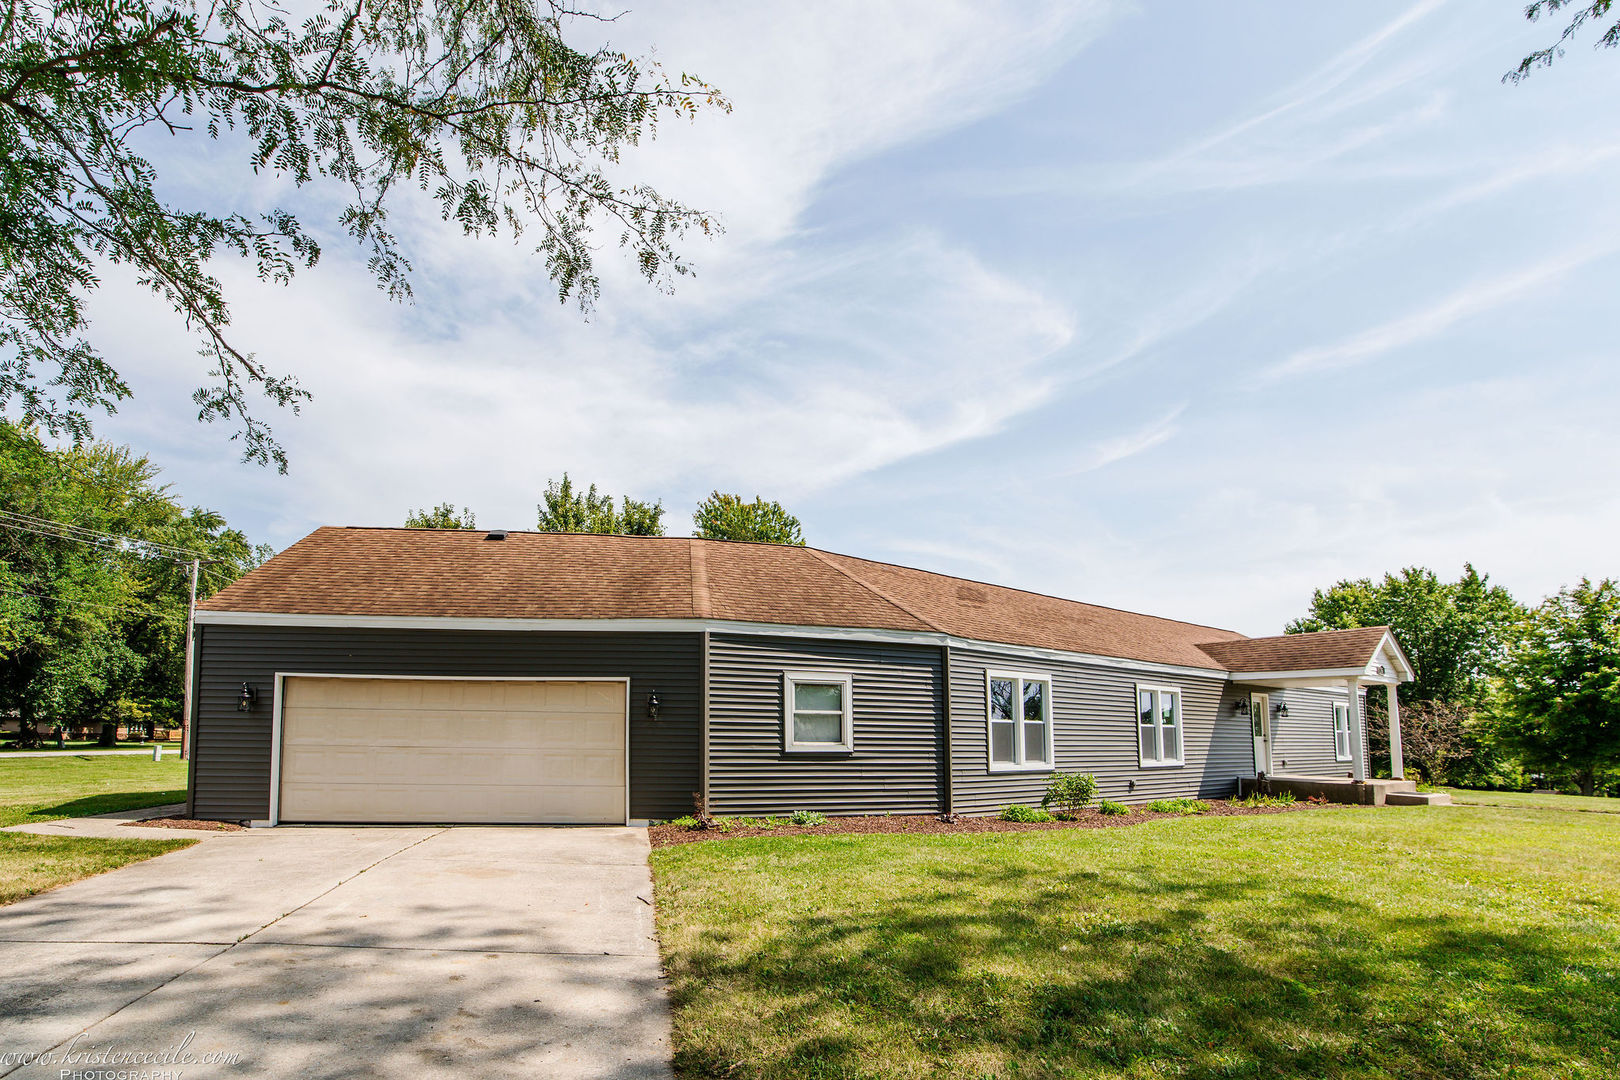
191, 615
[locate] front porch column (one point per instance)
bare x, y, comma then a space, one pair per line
1397, 766
1358, 758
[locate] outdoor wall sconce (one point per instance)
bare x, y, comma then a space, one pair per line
1281, 709
1130, 785
1241, 706
244, 703
653, 705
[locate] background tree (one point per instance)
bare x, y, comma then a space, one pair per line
486, 107
727, 517
567, 509
1581, 12
93, 588
443, 516
1558, 698
1454, 633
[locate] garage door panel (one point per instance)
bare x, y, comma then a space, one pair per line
404, 750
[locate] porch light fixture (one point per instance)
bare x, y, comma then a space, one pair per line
653, 705
1241, 706
244, 702
1281, 709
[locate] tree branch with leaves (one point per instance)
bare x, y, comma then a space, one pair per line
485, 107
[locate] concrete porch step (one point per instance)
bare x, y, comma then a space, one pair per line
1417, 798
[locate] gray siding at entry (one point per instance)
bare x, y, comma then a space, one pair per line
232, 749
1302, 741
896, 763
1094, 722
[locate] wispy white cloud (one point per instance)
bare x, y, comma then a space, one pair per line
1432, 321
1107, 451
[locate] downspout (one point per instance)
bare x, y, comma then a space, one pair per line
945, 712
189, 735
703, 777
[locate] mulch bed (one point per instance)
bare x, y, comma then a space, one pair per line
194, 824
933, 824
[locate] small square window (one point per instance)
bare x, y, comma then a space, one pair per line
817, 716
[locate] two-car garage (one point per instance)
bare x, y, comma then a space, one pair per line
373, 749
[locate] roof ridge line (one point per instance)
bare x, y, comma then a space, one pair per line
821, 557
698, 564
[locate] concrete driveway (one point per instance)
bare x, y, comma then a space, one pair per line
488, 952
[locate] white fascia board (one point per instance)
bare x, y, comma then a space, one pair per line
696, 626
1304, 673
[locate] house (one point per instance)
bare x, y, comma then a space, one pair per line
406, 675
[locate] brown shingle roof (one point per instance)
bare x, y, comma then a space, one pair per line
433, 572
1327, 650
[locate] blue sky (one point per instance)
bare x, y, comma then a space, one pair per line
1181, 308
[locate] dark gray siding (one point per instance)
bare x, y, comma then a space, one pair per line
1302, 741
1094, 731
896, 764
232, 769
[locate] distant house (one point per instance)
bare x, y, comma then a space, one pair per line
400, 675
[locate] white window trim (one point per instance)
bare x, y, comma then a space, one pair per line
1161, 762
1338, 711
1019, 765
846, 745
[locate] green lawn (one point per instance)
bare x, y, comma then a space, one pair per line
1337, 943
31, 864
42, 789
1528, 799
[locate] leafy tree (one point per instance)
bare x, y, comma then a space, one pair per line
1582, 12
567, 509
1558, 698
727, 517
486, 107
93, 627
1454, 633
1442, 742
443, 516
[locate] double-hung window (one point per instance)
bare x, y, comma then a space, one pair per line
1341, 733
1020, 713
816, 714
1158, 725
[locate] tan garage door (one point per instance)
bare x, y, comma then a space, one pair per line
452, 751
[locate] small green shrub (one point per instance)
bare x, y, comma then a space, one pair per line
1177, 806
1024, 813
1069, 792
807, 817
1254, 798
1112, 808
687, 822
755, 823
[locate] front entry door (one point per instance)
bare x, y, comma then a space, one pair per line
1260, 724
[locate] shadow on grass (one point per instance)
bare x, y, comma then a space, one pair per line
1143, 973
105, 803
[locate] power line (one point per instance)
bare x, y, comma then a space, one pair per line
69, 531
63, 531
151, 613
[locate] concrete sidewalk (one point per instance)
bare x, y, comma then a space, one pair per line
424, 952
168, 752
116, 826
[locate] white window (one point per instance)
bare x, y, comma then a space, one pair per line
1341, 733
1020, 720
1158, 725
816, 715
